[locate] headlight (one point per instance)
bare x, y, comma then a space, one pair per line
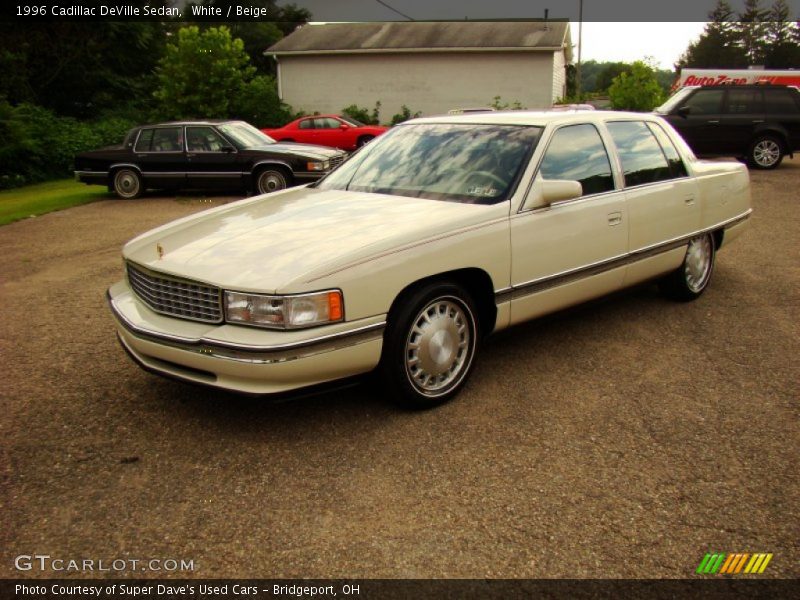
284, 312
318, 166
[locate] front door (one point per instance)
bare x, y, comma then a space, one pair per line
211, 160
569, 251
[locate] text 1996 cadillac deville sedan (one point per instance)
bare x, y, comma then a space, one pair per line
438, 233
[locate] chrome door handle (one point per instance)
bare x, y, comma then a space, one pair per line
689, 200
191, 154
614, 219
758, 120
712, 122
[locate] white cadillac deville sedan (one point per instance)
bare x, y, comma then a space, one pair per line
441, 231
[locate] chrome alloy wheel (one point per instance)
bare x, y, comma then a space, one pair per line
697, 265
127, 184
766, 152
270, 181
440, 346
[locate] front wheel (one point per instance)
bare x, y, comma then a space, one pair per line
430, 345
271, 180
691, 279
766, 152
127, 184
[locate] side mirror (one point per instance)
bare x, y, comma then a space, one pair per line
228, 149
344, 126
684, 111
557, 190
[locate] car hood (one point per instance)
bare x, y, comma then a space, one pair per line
280, 241
297, 149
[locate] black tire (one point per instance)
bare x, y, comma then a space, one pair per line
431, 341
690, 280
271, 179
364, 140
765, 152
127, 184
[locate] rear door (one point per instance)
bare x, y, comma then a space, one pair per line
161, 156
661, 199
743, 113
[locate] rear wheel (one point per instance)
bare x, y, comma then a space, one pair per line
271, 180
766, 152
430, 345
127, 184
690, 280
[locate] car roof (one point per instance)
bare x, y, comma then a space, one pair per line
535, 118
197, 122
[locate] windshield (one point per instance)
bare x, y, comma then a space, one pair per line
351, 121
673, 102
245, 135
473, 164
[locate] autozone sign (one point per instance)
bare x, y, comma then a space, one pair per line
736, 77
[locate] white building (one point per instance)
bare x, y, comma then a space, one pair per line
430, 67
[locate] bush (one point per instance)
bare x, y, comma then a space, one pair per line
259, 105
36, 145
498, 104
404, 115
363, 114
636, 89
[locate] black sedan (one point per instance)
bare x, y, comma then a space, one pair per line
203, 154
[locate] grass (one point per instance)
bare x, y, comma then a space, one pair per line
41, 198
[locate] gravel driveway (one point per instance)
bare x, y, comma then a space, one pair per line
623, 439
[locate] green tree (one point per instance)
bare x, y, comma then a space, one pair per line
81, 68
259, 105
636, 89
608, 73
201, 73
752, 31
782, 51
718, 46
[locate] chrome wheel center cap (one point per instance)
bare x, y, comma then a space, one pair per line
441, 348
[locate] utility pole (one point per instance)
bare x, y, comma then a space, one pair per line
580, 48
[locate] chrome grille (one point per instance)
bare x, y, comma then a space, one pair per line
337, 160
176, 297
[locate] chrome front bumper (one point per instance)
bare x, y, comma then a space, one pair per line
244, 359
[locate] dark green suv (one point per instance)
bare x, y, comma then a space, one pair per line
760, 124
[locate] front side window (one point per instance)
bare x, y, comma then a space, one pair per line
204, 139
306, 124
145, 141
326, 123
705, 102
577, 153
472, 164
642, 159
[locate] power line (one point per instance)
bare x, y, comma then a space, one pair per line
395, 10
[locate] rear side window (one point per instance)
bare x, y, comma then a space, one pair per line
745, 101
162, 139
577, 153
642, 159
705, 102
676, 166
145, 140
781, 102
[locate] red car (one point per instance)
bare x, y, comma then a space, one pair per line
327, 130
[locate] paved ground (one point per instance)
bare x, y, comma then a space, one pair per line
624, 439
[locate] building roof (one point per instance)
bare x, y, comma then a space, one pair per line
416, 36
